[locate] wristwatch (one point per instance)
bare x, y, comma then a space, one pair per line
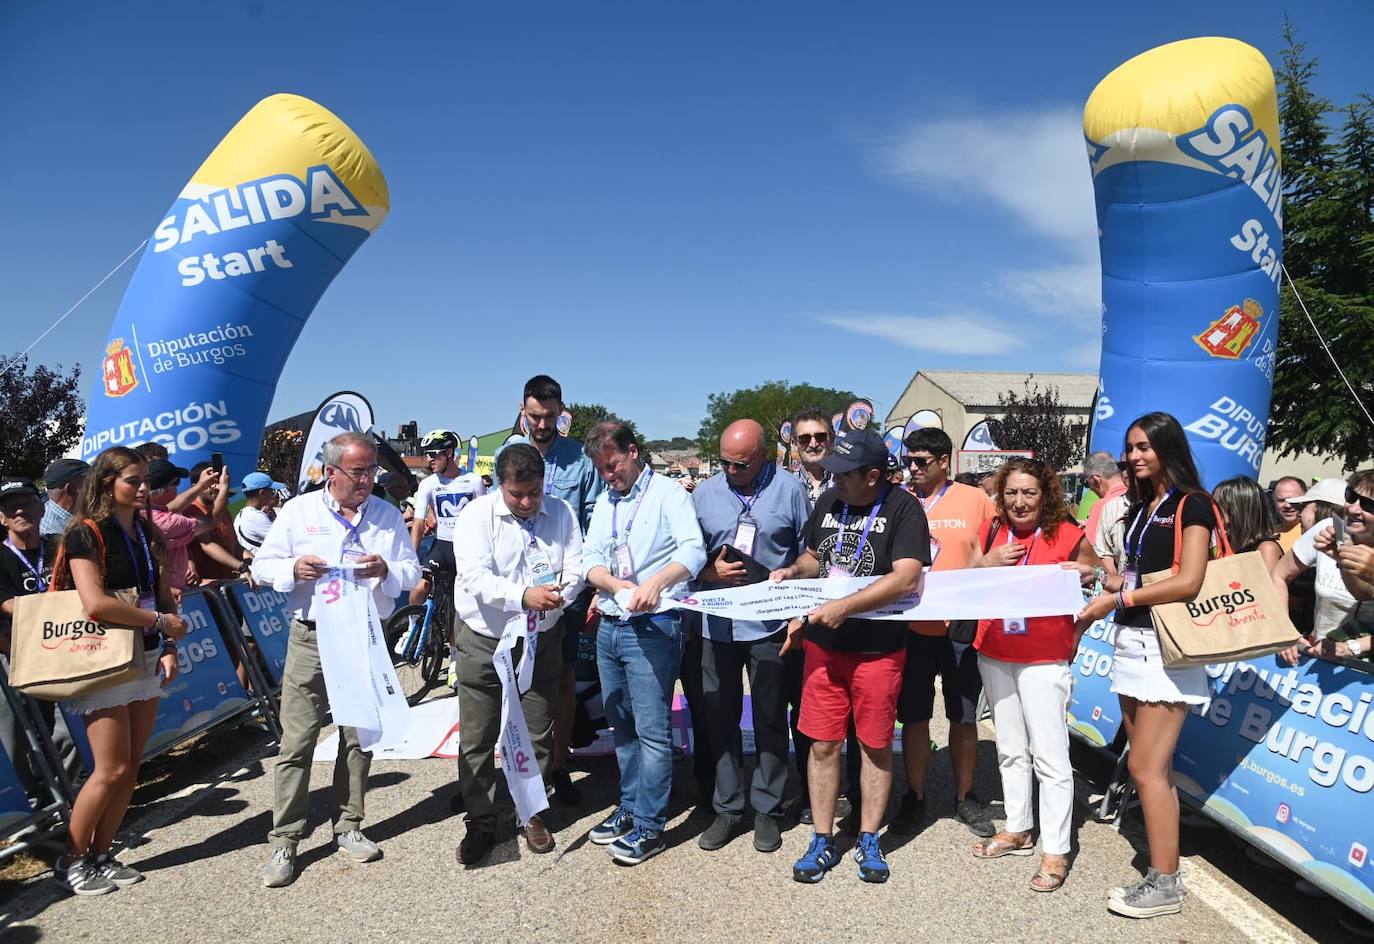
1355, 648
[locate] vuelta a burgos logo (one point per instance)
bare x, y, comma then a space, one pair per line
118, 369
1231, 334
1237, 598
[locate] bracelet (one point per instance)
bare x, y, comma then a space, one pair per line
1127, 596
1120, 599
157, 623
1098, 574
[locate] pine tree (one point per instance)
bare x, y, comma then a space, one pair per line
1329, 252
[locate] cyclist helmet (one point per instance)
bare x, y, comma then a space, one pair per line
439, 439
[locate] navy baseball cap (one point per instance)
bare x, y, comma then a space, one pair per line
17, 488
162, 473
855, 448
61, 471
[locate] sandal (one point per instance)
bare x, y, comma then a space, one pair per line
1004, 844
1047, 878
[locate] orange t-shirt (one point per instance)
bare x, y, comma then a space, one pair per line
954, 519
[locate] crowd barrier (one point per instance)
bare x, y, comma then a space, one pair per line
27, 821
1283, 758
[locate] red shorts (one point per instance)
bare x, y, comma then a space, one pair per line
837, 683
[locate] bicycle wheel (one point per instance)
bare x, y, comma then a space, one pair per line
434, 658
408, 663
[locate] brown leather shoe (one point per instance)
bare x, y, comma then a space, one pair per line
538, 837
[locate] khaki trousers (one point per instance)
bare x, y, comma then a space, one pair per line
479, 713
304, 705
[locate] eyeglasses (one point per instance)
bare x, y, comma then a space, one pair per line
1366, 503
820, 439
434, 453
359, 475
734, 466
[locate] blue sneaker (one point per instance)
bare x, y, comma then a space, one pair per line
821, 856
869, 855
637, 845
612, 827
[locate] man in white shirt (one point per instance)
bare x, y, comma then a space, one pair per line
519, 556
311, 534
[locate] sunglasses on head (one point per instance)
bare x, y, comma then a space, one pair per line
806, 439
733, 466
1366, 503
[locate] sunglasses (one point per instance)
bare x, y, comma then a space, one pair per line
733, 466
820, 439
918, 462
1366, 503
434, 453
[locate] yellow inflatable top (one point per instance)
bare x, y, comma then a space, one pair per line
288, 134
1175, 89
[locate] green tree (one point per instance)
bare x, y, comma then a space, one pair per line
587, 415
42, 417
1329, 252
770, 403
280, 454
1036, 420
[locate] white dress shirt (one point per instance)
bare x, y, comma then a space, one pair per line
489, 544
307, 525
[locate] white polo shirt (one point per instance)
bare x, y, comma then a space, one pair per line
489, 546
307, 525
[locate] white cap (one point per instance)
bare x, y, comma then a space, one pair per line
1331, 491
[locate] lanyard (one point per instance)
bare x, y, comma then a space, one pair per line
37, 574
550, 470
934, 501
1133, 548
133, 555
351, 528
868, 526
1025, 558
615, 510
760, 483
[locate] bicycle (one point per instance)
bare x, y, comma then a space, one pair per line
417, 636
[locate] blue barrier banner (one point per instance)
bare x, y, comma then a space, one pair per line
14, 802
1094, 712
269, 621
1183, 142
206, 688
1286, 754
231, 273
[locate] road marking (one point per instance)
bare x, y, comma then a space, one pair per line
1234, 909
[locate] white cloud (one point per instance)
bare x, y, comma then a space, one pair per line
1072, 291
951, 334
1032, 164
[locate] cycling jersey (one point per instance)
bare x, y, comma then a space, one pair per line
447, 497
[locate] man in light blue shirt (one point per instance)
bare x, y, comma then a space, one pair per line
569, 475
754, 508
644, 544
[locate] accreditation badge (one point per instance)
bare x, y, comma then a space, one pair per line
934, 551
624, 564
537, 563
745, 530
1014, 626
1130, 578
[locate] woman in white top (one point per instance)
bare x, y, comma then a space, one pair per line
1334, 602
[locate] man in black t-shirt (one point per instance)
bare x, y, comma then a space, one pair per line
863, 527
25, 567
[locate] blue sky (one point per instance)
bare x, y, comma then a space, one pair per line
651, 201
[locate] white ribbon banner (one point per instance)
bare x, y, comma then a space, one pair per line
979, 593
358, 675
518, 760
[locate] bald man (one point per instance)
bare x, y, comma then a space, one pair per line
747, 511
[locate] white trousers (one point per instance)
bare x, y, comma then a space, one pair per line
1030, 710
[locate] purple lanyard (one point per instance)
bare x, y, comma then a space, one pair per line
760, 483
351, 528
1011, 537
1133, 550
615, 509
133, 555
37, 574
868, 526
939, 495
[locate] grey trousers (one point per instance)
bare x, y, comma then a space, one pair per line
304, 704
722, 665
479, 714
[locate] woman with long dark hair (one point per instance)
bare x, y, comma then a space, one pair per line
108, 547
1247, 515
1166, 493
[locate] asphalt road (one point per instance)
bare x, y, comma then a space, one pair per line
199, 831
